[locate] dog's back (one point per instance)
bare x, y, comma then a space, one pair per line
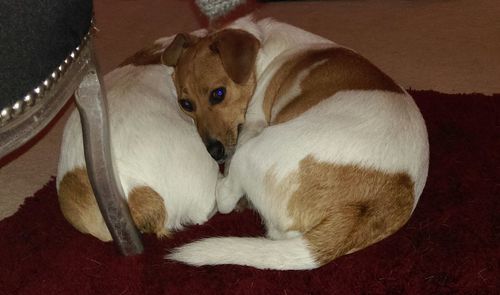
156, 151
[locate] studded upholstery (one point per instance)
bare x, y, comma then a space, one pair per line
35, 37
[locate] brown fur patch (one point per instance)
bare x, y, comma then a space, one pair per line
78, 204
174, 51
342, 69
343, 208
146, 56
148, 210
237, 50
79, 207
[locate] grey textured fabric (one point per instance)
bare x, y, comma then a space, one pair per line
35, 37
217, 8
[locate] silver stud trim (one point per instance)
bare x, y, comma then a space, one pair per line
9, 113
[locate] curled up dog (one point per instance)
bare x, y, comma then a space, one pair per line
167, 177
329, 150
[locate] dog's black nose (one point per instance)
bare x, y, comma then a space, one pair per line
216, 150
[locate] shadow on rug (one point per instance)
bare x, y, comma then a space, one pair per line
451, 245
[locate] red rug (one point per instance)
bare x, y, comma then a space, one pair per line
451, 245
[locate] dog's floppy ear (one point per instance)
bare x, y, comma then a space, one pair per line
238, 51
173, 52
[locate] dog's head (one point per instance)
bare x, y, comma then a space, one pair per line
215, 78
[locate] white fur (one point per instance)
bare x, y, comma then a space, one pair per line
259, 252
372, 129
153, 143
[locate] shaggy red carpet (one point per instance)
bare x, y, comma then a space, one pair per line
451, 245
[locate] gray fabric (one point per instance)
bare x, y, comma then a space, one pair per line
217, 8
35, 37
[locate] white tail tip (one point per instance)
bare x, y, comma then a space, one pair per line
255, 252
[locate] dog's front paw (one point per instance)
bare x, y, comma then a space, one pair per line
224, 196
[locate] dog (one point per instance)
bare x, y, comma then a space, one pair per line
329, 150
164, 170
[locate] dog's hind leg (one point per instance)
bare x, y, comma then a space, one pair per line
79, 206
148, 211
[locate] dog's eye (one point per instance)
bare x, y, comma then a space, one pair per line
186, 105
217, 95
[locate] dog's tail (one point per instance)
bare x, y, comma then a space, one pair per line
288, 254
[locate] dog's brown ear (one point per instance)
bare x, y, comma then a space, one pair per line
238, 51
173, 52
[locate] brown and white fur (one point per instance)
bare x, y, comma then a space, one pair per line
332, 153
163, 168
